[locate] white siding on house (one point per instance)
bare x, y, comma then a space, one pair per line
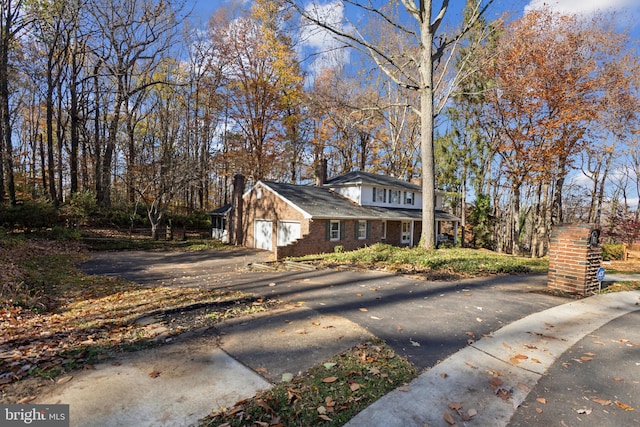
354, 193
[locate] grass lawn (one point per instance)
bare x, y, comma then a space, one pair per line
434, 264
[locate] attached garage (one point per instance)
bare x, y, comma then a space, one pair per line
263, 234
288, 232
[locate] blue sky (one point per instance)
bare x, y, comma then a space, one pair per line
629, 9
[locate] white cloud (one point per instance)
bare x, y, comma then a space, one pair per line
321, 44
582, 6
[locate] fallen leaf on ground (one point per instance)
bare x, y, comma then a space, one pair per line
602, 401
539, 410
154, 374
330, 380
495, 382
64, 379
521, 356
443, 375
363, 309
503, 394
624, 406
455, 406
354, 387
414, 343
470, 365
448, 418
541, 400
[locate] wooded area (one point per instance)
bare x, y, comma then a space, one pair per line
125, 102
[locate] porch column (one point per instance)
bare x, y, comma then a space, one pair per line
411, 234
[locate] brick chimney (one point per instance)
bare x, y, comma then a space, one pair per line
321, 172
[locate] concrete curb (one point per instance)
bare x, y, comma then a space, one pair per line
507, 364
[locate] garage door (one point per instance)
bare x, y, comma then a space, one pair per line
288, 231
263, 234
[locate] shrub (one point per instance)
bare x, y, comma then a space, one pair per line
80, 208
613, 251
29, 215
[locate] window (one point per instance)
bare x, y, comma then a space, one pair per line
334, 230
379, 195
384, 230
409, 198
394, 196
361, 230
406, 232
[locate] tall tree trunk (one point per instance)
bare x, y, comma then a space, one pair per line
603, 181
75, 123
6, 145
428, 237
97, 164
49, 123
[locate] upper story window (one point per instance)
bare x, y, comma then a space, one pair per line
394, 197
409, 198
379, 195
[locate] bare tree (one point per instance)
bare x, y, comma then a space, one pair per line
412, 69
133, 36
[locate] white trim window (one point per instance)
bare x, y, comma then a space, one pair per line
334, 231
379, 195
384, 230
409, 198
362, 229
405, 236
394, 198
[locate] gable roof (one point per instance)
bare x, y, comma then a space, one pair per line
366, 178
323, 203
318, 202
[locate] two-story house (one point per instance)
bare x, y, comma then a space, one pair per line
350, 211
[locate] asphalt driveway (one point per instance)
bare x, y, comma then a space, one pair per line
425, 321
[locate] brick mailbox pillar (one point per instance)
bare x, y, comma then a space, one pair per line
574, 258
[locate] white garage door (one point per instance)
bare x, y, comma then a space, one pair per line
288, 231
263, 234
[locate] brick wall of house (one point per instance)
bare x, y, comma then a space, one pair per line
316, 241
573, 260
